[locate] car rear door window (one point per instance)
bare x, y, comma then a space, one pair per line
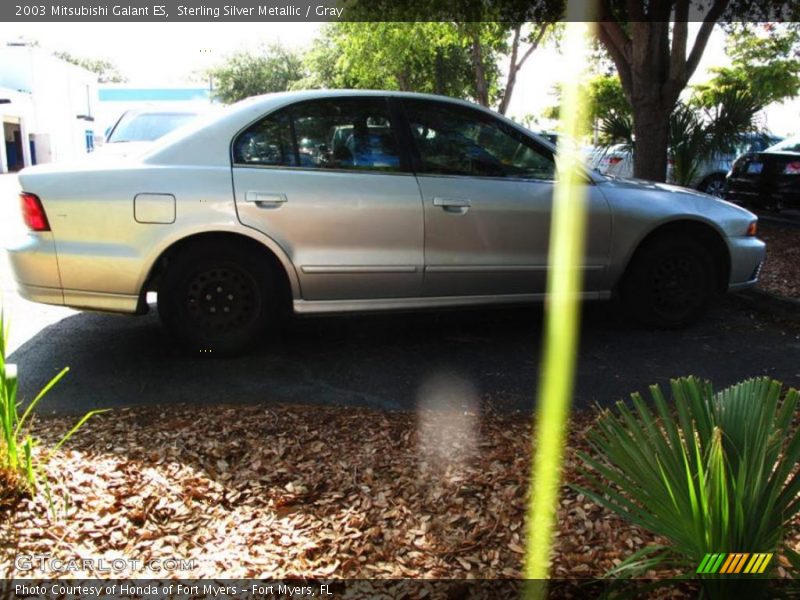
267, 143
346, 133
456, 140
337, 133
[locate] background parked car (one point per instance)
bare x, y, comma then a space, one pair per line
617, 161
768, 179
614, 161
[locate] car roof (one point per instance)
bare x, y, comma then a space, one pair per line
199, 142
206, 141
787, 145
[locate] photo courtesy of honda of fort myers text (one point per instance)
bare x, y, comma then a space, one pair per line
229, 236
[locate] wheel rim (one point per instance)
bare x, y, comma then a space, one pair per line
222, 299
715, 187
677, 282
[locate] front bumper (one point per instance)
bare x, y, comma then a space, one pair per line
747, 257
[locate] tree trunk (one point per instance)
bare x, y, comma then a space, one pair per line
439, 87
653, 68
651, 131
512, 72
481, 86
515, 65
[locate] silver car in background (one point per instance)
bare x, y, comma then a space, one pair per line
340, 201
617, 161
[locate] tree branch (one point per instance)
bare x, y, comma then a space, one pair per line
535, 43
701, 40
512, 72
680, 32
614, 34
515, 65
636, 11
619, 57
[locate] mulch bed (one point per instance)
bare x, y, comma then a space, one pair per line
781, 272
307, 491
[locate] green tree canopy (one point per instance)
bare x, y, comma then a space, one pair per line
765, 64
272, 68
459, 59
107, 71
420, 57
609, 102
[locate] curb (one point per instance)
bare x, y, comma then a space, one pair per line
767, 302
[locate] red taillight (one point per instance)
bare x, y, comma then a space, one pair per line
33, 212
792, 168
614, 160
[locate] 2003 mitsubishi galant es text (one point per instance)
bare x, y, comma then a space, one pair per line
340, 201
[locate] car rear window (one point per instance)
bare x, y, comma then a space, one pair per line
788, 145
146, 127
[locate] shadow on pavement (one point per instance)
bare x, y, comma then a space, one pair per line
383, 361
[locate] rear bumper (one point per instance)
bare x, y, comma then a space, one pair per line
754, 193
34, 264
80, 299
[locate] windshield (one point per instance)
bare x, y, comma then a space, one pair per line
146, 127
791, 144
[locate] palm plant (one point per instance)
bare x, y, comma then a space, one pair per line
696, 134
617, 127
717, 474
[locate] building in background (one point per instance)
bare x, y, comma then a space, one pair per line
47, 106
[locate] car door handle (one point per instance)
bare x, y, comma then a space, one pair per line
265, 199
454, 205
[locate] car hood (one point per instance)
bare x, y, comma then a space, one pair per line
664, 191
663, 201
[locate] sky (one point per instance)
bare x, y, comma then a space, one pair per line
165, 54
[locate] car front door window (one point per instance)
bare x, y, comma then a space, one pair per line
454, 140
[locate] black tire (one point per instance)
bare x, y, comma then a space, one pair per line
217, 298
714, 185
670, 282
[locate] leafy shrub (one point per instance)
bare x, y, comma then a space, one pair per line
18, 465
719, 473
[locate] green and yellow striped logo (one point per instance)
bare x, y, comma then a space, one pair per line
734, 562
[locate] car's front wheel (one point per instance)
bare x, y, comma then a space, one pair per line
670, 282
216, 298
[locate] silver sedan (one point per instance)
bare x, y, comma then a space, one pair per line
333, 202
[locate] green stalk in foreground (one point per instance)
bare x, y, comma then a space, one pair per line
16, 446
562, 317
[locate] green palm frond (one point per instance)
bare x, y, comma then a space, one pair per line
617, 128
716, 472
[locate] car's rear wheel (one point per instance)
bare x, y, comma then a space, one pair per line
670, 282
216, 298
714, 185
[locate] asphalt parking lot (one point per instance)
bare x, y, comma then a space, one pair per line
476, 360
